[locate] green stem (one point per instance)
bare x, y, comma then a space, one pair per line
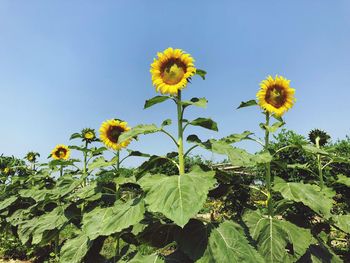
268, 168
85, 165
118, 159
319, 164
57, 241
180, 135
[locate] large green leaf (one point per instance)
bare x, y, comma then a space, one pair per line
113, 219
308, 194
101, 162
7, 202
38, 225
139, 258
237, 137
343, 222
155, 100
138, 130
277, 240
74, 250
227, 244
178, 197
313, 149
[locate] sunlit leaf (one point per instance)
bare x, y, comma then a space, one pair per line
155, 100
205, 123
75, 249
247, 104
199, 102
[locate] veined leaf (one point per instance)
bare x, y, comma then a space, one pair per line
181, 197
38, 225
313, 149
273, 235
227, 244
309, 195
138, 130
113, 219
155, 100
237, 137
100, 162
205, 123
74, 250
274, 127
199, 102
247, 104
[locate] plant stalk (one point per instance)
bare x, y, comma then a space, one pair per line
320, 173
180, 134
268, 168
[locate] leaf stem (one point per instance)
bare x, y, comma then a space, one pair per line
319, 165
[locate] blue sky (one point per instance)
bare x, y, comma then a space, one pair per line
67, 65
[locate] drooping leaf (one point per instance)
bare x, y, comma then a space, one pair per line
138, 130
205, 123
309, 195
247, 104
75, 249
181, 197
277, 240
227, 244
38, 225
166, 122
101, 162
237, 137
313, 149
155, 100
113, 219
199, 102
274, 127
75, 136
201, 73
138, 153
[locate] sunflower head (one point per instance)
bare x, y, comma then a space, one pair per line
88, 135
31, 156
110, 131
7, 170
171, 71
60, 152
275, 95
318, 135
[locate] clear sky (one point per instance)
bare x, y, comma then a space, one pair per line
66, 65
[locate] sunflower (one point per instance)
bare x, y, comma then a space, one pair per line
31, 156
88, 135
319, 135
110, 131
170, 72
275, 95
60, 152
7, 170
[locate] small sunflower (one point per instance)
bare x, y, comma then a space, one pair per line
31, 156
171, 71
60, 152
110, 131
275, 95
322, 136
7, 170
88, 135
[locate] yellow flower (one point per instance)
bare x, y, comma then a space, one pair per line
60, 152
89, 135
170, 72
110, 131
7, 170
275, 95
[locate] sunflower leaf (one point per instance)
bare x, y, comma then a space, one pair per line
274, 127
247, 104
155, 100
75, 136
343, 222
181, 197
199, 102
138, 130
166, 122
202, 73
205, 123
75, 249
342, 179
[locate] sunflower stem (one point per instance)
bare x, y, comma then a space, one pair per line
268, 167
319, 164
180, 134
85, 164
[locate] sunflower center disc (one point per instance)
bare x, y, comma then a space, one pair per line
114, 132
276, 96
173, 72
61, 153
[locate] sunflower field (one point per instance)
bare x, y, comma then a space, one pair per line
288, 202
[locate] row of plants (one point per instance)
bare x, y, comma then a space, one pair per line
281, 205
